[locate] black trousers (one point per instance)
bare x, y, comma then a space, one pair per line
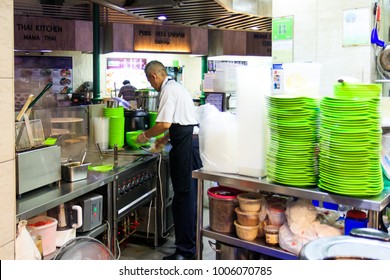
184, 157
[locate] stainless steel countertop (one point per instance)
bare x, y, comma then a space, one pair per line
47, 197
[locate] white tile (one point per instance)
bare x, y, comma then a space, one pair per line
8, 202
7, 115
7, 251
6, 38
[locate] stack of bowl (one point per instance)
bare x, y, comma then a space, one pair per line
247, 223
116, 126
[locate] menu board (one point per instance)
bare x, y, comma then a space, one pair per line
33, 73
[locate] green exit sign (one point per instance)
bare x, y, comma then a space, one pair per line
282, 28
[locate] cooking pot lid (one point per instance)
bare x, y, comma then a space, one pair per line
344, 247
222, 192
136, 113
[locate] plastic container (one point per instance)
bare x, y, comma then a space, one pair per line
247, 233
247, 218
45, 227
74, 171
355, 219
271, 234
276, 214
302, 79
222, 204
250, 202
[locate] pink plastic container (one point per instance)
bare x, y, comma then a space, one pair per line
47, 231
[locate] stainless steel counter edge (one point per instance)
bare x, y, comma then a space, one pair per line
374, 203
47, 197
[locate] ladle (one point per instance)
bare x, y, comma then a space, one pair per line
83, 157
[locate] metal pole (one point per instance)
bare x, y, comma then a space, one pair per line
96, 55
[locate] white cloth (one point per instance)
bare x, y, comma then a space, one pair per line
176, 105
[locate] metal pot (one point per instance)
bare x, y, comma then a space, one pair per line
147, 100
112, 103
346, 247
136, 120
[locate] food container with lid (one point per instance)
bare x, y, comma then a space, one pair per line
249, 201
247, 233
355, 219
271, 234
276, 214
222, 202
45, 227
247, 218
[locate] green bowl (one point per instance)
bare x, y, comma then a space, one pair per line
131, 139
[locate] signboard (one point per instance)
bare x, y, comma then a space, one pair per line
283, 28
356, 27
156, 38
259, 43
52, 34
282, 39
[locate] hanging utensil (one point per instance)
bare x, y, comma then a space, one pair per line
46, 88
30, 98
83, 157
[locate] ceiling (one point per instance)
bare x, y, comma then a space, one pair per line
208, 14
200, 13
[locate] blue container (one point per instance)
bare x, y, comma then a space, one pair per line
326, 205
351, 223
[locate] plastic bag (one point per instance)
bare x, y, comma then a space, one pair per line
294, 242
302, 226
25, 248
218, 135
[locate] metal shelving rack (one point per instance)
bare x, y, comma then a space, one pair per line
373, 204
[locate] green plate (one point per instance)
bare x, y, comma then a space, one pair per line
101, 168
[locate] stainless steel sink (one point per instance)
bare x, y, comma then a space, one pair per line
107, 157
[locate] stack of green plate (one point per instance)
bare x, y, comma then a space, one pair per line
350, 141
114, 112
291, 155
357, 91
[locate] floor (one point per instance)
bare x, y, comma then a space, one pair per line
141, 248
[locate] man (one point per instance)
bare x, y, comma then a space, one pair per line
176, 114
127, 92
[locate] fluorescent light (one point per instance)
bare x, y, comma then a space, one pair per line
162, 17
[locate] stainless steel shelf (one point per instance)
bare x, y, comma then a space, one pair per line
45, 198
258, 245
94, 232
374, 204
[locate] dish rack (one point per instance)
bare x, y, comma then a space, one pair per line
28, 134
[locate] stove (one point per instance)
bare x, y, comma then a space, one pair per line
135, 186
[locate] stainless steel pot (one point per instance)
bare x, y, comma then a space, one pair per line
346, 247
147, 100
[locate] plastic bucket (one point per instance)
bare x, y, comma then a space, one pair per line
45, 227
222, 203
302, 79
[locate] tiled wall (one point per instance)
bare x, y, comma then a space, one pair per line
318, 32
7, 152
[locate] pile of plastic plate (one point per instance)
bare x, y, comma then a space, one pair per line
350, 143
293, 146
